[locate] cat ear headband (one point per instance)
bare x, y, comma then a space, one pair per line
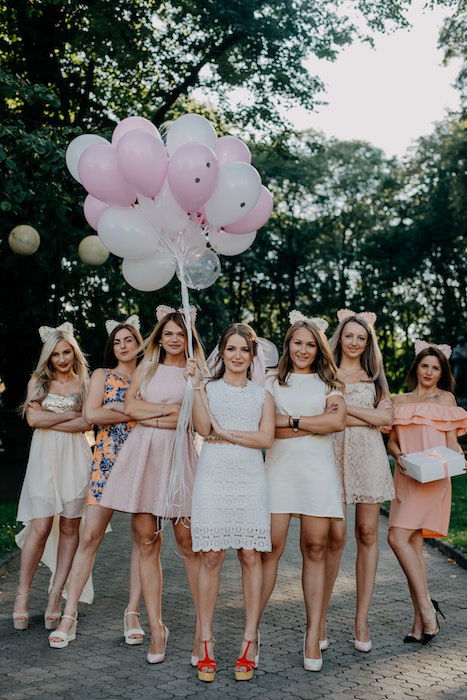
295, 316
132, 320
46, 331
423, 345
367, 316
162, 311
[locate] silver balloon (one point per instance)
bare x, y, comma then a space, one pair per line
201, 269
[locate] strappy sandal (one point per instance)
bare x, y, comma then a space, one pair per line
129, 633
51, 619
207, 667
64, 638
21, 620
247, 665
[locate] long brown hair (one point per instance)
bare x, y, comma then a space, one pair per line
371, 359
446, 380
249, 336
323, 364
110, 361
154, 353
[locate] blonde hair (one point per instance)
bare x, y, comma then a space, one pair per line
154, 353
371, 359
323, 364
44, 372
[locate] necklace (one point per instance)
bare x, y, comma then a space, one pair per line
235, 386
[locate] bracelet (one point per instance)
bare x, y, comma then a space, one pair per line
290, 422
157, 422
163, 408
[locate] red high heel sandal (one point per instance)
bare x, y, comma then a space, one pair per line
244, 663
207, 666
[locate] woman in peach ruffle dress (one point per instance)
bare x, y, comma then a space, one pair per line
426, 417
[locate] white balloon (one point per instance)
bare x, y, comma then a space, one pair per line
151, 211
172, 218
237, 191
24, 240
92, 252
126, 233
76, 149
149, 274
190, 128
231, 243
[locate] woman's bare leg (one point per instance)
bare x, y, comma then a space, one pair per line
146, 527
252, 579
279, 529
191, 561
136, 591
334, 549
208, 590
67, 545
97, 519
314, 534
31, 554
366, 534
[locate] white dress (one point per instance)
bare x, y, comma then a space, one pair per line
301, 471
230, 497
56, 480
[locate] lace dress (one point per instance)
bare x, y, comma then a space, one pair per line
56, 481
360, 454
230, 496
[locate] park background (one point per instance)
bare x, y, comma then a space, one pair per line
352, 226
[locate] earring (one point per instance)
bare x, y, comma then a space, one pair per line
160, 344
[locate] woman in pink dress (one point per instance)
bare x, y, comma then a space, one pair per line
425, 417
139, 481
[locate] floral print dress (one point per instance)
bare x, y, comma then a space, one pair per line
110, 438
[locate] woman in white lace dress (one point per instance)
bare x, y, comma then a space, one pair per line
361, 459
230, 498
301, 471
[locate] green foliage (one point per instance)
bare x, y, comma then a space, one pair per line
8, 528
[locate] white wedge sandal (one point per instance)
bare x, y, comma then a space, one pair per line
64, 637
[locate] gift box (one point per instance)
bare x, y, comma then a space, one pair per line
434, 463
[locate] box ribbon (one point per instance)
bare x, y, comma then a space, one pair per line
437, 456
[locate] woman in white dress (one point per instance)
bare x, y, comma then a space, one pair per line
230, 501
361, 460
54, 491
300, 467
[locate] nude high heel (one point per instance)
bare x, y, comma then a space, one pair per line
21, 620
129, 632
310, 664
159, 658
51, 620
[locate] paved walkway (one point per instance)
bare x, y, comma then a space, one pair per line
99, 665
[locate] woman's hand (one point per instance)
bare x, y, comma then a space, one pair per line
193, 370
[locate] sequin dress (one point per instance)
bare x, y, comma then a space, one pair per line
110, 438
56, 480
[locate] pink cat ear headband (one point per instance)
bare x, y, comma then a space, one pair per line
367, 316
423, 345
162, 311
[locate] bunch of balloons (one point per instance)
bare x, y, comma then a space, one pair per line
170, 207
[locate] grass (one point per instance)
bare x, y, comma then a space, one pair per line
8, 528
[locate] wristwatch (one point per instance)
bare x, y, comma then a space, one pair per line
295, 422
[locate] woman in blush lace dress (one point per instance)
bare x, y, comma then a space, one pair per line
230, 497
361, 459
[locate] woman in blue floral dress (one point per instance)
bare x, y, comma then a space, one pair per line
105, 408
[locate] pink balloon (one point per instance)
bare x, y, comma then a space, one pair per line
132, 123
93, 208
257, 216
142, 160
192, 175
229, 148
99, 174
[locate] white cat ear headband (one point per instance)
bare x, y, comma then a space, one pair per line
162, 311
46, 331
132, 320
295, 316
367, 316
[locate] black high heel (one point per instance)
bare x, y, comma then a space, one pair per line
426, 637
411, 639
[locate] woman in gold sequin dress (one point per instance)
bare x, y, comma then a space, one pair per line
54, 491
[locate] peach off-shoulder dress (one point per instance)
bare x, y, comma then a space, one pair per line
417, 506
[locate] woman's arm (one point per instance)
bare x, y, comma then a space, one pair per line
383, 414
39, 418
395, 450
452, 442
76, 425
259, 439
138, 409
201, 414
168, 423
320, 424
94, 410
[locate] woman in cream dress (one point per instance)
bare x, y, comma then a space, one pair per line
301, 471
54, 491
